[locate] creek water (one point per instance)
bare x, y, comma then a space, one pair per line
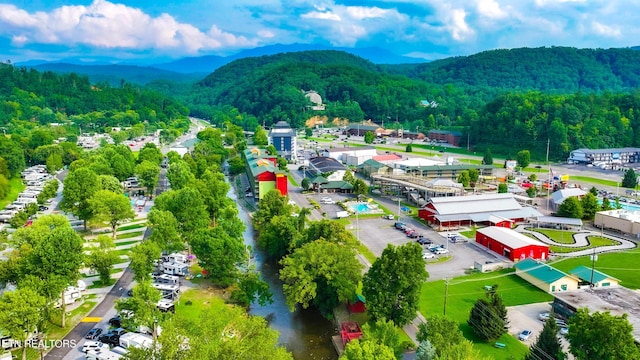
305, 333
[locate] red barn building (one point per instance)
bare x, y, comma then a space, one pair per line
448, 212
511, 244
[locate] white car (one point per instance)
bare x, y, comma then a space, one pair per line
441, 251
428, 255
524, 335
93, 345
328, 201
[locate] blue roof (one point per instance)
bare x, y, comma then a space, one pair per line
540, 271
584, 273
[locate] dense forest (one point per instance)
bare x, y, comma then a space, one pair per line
37, 109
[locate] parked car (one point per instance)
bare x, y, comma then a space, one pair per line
328, 202
524, 335
423, 240
115, 321
441, 251
544, 316
407, 231
414, 235
93, 345
94, 333
564, 330
388, 217
43, 208
398, 225
117, 331
428, 255
110, 338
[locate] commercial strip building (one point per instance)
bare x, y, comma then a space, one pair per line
511, 244
620, 220
453, 212
263, 174
351, 155
614, 156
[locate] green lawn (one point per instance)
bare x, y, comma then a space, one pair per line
594, 242
129, 235
463, 293
292, 180
16, 187
559, 236
127, 242
132, 226
621, 265
199, 300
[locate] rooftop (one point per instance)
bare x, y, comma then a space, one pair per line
511, 238
326, 164
585, 273
540, 271
607, 151
475, 203
617, 300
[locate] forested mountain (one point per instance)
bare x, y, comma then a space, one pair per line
32, 101
554, 69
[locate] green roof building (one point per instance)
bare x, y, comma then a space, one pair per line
545, 277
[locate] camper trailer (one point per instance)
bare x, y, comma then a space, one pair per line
175, 268
166, 306
136, 340
170, 292
103, 354
176, 257
167, 279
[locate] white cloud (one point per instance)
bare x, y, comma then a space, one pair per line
606, 30
104, 24
491, 9
321, 15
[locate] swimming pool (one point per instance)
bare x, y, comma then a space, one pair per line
360, 208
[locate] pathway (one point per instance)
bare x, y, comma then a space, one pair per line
581, 240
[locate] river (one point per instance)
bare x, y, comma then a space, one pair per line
305, 333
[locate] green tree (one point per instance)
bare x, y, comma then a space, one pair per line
279, 236
503, 188
474, 175
308, 132
630, 179
360, 187
485, 322
425, 351
164, 231
571, 207
282, 163
151, 153
179, 175
589, 205
408, 148
143, 305
531, 191
142, 258
464, 178
54, 163
366, 350
348, 177
111, 208
321, 274
219, 254
188, 207
21, 312
236, 165
593, 190
79, 187
213, 188
251, 289
148, 174
111, 183
272, 204
523, 157
102, 257
306, 184
260, 137
613, 340
271, 150
606, 204
393, 283
369, 137
384, 332
487, 158
547, 345
441, 332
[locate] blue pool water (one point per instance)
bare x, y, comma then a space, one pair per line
360, 208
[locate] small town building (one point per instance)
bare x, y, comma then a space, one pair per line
545, 277
330, 168
558, 197
321, 184
355, 155
315, 99
593, 278
442, 136
357, 305
283, 138
362, 128
263, 174
387, 158
616, 156
455, 211
511, 244
620, 220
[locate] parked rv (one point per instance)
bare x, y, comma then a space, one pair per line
135, 340
175, 268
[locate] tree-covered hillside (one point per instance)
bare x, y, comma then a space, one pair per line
554, 69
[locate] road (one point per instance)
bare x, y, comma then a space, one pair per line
76, 335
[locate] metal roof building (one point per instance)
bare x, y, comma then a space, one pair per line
594, 277
511, 244
545, 277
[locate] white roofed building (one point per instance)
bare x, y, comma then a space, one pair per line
457, 211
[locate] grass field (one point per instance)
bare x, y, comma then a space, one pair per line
559, 236
292, 180
621, 265
131, 227
464, 291
16, 187
129, 235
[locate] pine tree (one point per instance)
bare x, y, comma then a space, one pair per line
547, 345
485, 322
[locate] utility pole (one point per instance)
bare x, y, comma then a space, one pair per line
550, 179
446, 293
593, 265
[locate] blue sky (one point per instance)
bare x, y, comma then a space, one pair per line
130, 30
